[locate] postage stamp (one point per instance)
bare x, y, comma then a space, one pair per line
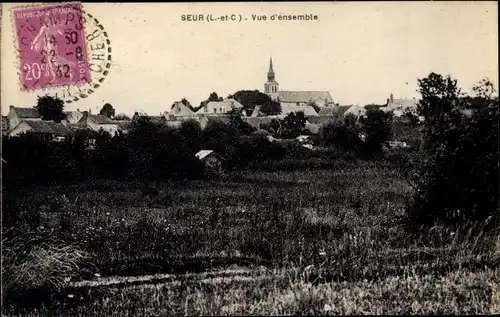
51, 45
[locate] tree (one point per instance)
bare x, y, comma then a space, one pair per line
214, 97
350, 120
237, 123
192, 132
50, 108
456, 180
251, 98
377, 128
340, 134
439, 106
293, 124
122, 116
107, 110
272, 108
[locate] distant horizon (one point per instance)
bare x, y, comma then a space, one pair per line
360, 52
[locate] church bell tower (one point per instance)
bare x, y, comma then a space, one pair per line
271, 87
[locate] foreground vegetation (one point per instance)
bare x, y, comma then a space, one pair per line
320, 234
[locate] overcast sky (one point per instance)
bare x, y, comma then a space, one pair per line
360, 52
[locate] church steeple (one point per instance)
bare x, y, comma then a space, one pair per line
270, 73
271, 87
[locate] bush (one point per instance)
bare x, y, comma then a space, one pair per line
377, 128
340, 134
457, 179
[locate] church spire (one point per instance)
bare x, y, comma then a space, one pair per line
270, 73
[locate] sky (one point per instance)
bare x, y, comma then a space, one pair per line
360, 52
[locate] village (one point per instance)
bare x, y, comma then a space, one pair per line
318, 108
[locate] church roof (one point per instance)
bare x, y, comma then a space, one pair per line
307, 110
304, 96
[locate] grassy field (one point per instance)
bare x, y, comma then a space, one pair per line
318, 241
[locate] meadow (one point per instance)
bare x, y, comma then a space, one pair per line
267, 241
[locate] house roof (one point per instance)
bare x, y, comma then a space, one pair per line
73, 115
226, 103
100, 119
355, 110
402, 103
180, 109
156, 118
308, 110
304, 96
28, 113
97, 118
123, 124
201, 155
48, 127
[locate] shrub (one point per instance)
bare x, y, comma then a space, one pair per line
377, 128
340, 134
457, 179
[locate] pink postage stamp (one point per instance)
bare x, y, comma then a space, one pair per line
51, 44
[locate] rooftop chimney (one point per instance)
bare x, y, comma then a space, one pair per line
10, 107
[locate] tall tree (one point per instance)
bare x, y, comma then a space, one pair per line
251, 98
378, 128
439, 106
107, 110
50, 108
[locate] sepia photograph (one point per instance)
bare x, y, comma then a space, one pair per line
250, 158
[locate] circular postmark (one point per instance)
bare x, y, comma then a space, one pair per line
63, 50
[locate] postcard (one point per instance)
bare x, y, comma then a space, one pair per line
269, 158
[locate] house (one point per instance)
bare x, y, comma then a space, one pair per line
47, 130
400, 105
307, 110
18, 114
219, 107
98, 122
355, 110
211, 159
72, 117
179, 110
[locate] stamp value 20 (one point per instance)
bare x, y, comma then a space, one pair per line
51, 44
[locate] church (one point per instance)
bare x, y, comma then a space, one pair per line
294, 98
